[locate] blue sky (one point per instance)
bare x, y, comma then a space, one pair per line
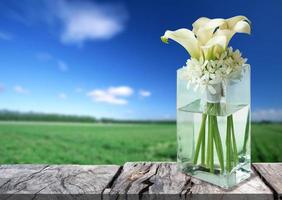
105, 58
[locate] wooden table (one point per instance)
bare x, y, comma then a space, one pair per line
142, 180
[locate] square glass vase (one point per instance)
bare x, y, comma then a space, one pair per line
213, 130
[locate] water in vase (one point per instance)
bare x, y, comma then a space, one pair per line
214, 141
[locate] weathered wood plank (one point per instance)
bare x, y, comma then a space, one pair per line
253, 188
143, 180
16, 180
149, 181
169, 183
132, 181
168, 180
164, 181
271, 173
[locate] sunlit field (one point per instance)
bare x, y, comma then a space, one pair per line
82, 143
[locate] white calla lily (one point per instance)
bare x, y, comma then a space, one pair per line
205, 32
186, 38
197, 47
209, 37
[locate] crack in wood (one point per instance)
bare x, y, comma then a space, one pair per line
149, 183
267, 183
64, 180
8, 181
108, 187
35, 195
187, 188
115, 177
143, 180
132, 180
138, 178
31, 176
55, 181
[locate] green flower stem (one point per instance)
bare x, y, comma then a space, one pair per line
214, 109
201, 138
214, 139
209, 138
218, 144
203, 150
247, 132
228, 147
211, 163
235, 152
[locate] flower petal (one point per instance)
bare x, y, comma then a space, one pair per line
217, 40
232, 21
199, 23
206, 31
214, 23
204, 35
242, 27
227, 33
186, 38
214, 46
239, 24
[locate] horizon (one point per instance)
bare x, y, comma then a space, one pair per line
52, 62
105, 118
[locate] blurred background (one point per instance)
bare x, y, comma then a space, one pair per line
90, 82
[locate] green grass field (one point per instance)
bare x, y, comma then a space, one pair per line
114, 143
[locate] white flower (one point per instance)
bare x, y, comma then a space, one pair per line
211, 62
205, 74
209, 37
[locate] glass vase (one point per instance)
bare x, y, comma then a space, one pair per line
213, 130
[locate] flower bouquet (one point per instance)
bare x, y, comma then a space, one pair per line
213, 102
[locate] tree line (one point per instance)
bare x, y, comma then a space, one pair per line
8, 115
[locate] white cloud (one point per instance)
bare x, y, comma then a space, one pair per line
5, 36
120, 91
62, 96
104, 96
90, 21
20, 90
111, 95
145, 93
76, 21
267, 114
62, 66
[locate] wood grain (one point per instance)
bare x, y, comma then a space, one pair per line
271, 173
132, 181
169, 182
141, 180
253, 188
164, 181
55, 179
